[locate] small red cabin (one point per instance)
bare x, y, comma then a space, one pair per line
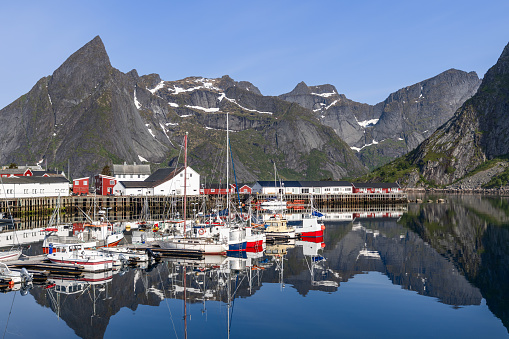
80, 186
104, 184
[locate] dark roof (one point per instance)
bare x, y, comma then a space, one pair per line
14, 170
279, 184
137, 184
375, 185
325, 183
304, 183
31, 180
164, 174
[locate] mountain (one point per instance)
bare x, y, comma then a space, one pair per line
88, 114
477, 134
479, 131
387, 130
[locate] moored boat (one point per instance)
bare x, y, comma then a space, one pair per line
76, 254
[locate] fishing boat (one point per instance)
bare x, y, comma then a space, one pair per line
277, 227
308, 227
94, 235
76, 254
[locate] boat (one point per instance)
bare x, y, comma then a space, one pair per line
9, 255
276, 227
125, 254
208, 245
76, 254
276, 203
14, 277
309, 226
94, 235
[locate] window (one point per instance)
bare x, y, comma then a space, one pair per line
25, 191
181, 175
305, 190
85, 182
336, 189
190, 175
34, 191
316, 190
212, 190
42, 191
139, 176
112, 182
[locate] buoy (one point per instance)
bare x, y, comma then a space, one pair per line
11, 284
323, 244
201, 231
323, 227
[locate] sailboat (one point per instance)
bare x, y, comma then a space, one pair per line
205, 245
278, 202
13, 253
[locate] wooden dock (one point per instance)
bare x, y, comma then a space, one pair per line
132, 207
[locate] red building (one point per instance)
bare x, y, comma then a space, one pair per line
104, 184
245, 189
217, 189
80, 186
376, 187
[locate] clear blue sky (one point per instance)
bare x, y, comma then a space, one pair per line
367, 49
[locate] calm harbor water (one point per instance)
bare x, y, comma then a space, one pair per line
438, 270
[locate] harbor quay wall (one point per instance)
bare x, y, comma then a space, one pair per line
134, 207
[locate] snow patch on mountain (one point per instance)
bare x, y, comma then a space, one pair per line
136, 102
223, 96
367, 123
366, 145
209, 110
325, 95
158, 87
142, 159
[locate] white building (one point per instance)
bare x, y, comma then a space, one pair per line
303, 187
29, 187
133, 172
164, 181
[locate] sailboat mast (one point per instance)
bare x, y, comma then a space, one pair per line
185, 181
227, 168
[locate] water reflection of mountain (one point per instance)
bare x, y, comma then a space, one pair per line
472, 232
430, 250
386, 247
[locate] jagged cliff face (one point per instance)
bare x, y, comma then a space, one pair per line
395, 126
478, 131
88, 115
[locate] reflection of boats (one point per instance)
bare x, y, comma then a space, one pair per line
9, 255
76, 255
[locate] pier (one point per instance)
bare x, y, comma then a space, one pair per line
133, 207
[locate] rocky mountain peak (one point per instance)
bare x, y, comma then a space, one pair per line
83, 71
498, 74
227, 82
300, 89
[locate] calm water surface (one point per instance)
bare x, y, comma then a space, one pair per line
439, 270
